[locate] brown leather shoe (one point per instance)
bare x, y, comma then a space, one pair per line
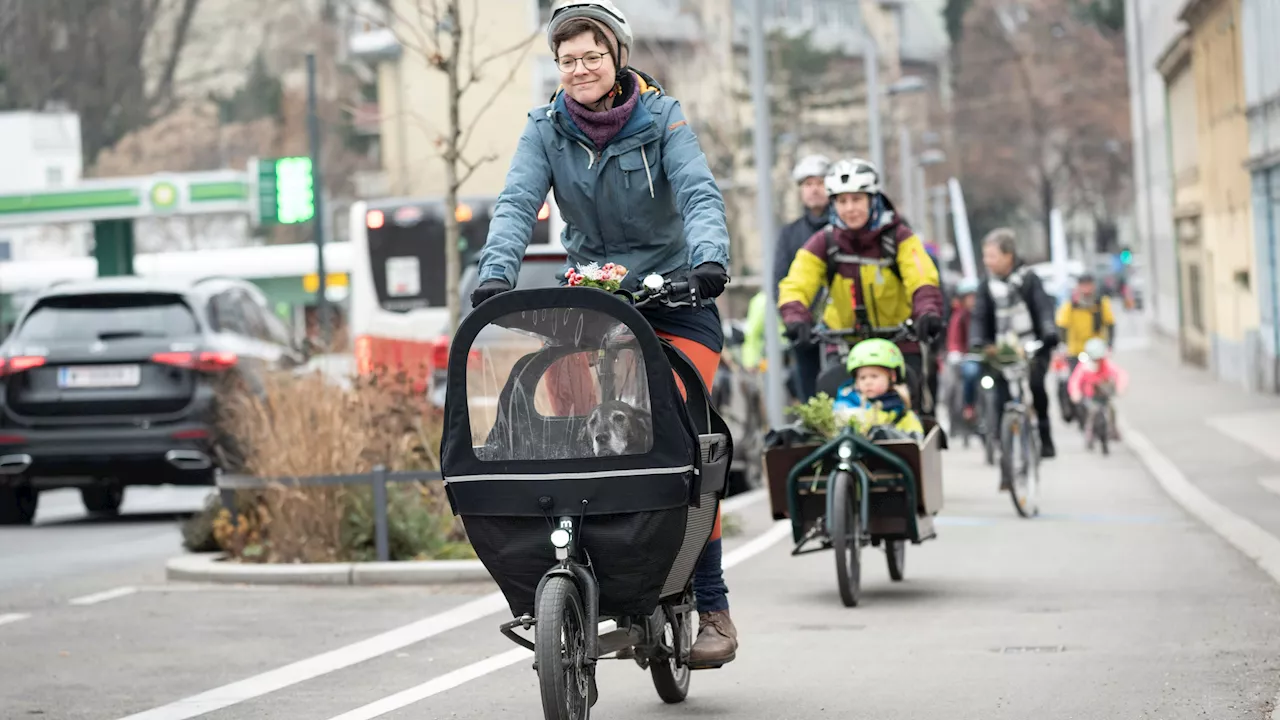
717, 642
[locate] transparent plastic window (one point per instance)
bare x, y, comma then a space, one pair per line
558, 384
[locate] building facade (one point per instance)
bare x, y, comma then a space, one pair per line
1152, 28
1227, 216
1260, 21
41, 151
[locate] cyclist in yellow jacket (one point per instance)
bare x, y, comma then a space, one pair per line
874, 265
1084, 317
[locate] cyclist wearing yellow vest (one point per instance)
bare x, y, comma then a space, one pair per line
1084, 317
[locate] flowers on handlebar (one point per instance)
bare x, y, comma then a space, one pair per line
608, 278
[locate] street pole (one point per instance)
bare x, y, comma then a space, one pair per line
871, 63
906, 178
940, 217
764, 206
922, 200
317, 193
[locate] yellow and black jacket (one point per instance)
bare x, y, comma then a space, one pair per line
885, 270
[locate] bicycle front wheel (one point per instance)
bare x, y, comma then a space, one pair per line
1018, 463
560, 649
846, 537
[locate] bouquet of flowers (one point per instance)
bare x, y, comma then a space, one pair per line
607, 278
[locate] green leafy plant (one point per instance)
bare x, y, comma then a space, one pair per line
817, 415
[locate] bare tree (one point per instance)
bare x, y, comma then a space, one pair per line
448, 41
1041, 112
92, 58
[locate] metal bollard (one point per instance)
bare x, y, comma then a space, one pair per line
380, 513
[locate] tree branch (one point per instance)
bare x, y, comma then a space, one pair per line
498, 89
164, 91
472, 166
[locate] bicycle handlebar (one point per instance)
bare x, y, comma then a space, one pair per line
894, 333
672, 293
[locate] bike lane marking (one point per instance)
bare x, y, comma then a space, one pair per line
387, 642
103, 596
317, 665
13, 618
451, 680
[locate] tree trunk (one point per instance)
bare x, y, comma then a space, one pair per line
452, 230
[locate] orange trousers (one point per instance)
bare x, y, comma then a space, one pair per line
708, 362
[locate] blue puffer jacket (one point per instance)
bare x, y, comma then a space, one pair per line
648, 201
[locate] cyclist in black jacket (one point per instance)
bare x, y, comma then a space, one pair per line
1013, 300
808, 174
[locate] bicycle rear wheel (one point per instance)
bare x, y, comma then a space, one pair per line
671, 676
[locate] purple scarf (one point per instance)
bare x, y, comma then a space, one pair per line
601, 127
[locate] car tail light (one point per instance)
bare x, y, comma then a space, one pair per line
193, 434
12, 439
20, 363
440, 352
203, 361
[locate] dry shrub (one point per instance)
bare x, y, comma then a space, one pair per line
301, 426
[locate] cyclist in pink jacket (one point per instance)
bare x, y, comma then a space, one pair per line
1096, 366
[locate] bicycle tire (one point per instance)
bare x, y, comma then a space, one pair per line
846, 537
895, 553
560, 651
671, 677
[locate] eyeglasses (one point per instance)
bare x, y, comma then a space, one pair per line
590, 61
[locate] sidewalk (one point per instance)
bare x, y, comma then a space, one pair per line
1224, 440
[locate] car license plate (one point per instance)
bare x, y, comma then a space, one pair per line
99, 376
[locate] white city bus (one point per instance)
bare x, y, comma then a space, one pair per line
398, 316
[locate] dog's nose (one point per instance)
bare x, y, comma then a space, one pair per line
602, 437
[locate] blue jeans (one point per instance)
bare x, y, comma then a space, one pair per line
708, 580
970, 371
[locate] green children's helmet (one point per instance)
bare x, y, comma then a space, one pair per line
876, 352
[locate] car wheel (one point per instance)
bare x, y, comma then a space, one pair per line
18, 504
104, 497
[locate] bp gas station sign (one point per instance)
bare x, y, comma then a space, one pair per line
273, 191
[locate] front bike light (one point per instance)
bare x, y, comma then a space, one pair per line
987, 382
845, 451
560, 538
654, 282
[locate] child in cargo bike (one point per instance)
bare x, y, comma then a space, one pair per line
877, 394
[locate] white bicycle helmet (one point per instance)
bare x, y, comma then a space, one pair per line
1096, 349
854, 175
602, 11
811, 166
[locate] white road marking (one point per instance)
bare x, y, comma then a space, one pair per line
13, 618
492, 664
103, 596
315, 666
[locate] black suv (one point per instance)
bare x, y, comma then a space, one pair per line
115, 381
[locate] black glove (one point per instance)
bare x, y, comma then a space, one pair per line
1051, 340
488, 289
709, 279
799, 333
928, 328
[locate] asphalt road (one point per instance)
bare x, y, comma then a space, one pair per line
1113, 604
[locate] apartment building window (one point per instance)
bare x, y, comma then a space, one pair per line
6, 250
544, 12
53, 176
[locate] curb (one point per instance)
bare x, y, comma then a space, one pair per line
1255, 543
210, 568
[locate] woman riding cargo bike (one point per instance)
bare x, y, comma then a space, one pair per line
634, 189
875, 268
